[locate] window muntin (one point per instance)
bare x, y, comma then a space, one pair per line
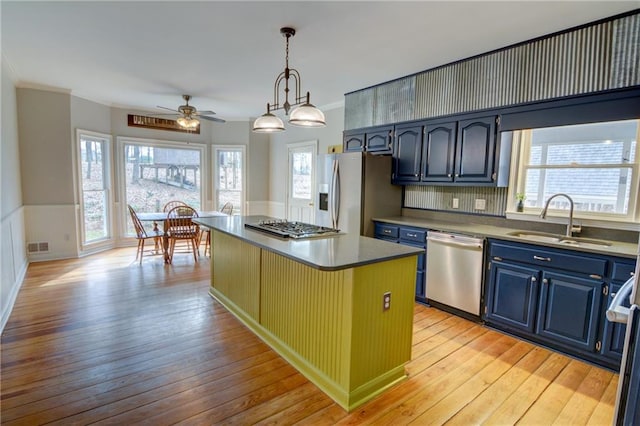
596, 164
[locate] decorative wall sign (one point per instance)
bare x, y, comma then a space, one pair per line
158, 124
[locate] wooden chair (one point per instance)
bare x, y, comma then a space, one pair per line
180, 227
142, 235
172, 204
227, 208
206, 233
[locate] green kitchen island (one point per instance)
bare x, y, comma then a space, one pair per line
318, 302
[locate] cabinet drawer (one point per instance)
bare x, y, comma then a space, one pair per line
386, 231
414, 235
569, 261
622, 270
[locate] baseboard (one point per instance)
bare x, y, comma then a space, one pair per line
13, 295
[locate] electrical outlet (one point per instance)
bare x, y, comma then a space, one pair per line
386, 301
481, 204
455, 203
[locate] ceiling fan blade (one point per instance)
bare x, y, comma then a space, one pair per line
170, 109
206, 112
219, 120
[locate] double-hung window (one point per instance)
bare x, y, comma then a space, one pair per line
595, 164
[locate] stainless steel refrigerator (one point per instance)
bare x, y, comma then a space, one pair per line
353, 188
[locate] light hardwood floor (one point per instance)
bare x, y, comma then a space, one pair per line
105, 340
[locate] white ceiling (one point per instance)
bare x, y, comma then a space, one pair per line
228, 54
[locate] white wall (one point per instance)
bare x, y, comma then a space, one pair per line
326, 136
12, 249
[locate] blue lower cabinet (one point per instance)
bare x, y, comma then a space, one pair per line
513, 296
557, 298
569, 310
613, 334
410, 236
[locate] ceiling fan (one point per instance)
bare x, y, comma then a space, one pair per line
189, 115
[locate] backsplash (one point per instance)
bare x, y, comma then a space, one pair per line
441, 198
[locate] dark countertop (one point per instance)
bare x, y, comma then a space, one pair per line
615, 248
333, 253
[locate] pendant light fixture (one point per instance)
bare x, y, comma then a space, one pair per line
306, 115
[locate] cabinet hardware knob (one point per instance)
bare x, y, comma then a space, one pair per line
613, 295
411, 235
534, 279
598, 346
545, 281
595, 277
416, 175
457, 175
544, 259
497, 258
387, 231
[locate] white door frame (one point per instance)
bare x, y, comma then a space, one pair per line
291, 147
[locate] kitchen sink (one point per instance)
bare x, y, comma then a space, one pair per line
537, 236
545, 237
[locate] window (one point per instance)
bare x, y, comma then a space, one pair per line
595, 164
229, 177
94, 186
154, 172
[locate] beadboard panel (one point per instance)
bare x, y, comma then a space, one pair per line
320, 303
440, 198
590, 59
237, 272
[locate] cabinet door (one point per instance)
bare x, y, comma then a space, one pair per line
613, 334
475, 150
406, 154
512, 296
379, 141
438, 152
353, 142
569, 310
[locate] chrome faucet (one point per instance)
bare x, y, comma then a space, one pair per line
570, 228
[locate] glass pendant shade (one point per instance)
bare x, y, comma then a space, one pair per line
268, 123
307, 116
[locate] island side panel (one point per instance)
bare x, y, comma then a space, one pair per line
235, 274
331, 325
381, 339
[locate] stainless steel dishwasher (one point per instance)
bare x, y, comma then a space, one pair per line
454, 270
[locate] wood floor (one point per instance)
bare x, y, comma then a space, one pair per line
105, 340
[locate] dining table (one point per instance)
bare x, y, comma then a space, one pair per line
157, 217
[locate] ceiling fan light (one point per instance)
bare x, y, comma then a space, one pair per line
307, 115
268, 123
188, 122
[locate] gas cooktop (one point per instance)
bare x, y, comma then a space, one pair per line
286, 229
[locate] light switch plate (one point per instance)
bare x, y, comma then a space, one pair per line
455, 203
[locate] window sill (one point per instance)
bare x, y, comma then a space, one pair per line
605, 223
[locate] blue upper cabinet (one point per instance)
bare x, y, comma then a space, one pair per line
475, 150
407, 154
464, 152
376, 140
439, 152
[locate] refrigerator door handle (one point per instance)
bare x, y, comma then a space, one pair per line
335, 195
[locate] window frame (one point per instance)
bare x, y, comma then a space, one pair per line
216, 175
107, 166
121, 141
519, 167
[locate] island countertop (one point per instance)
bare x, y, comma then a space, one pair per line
332, 253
